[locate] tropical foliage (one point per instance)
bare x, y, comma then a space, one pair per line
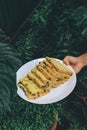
57, 28
9, 63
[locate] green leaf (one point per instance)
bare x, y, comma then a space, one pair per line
84, 32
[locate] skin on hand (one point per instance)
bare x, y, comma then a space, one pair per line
77, 63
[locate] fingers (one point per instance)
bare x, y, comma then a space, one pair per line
70, 60
74, 62
66, 60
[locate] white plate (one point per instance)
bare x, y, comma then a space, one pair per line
55, 95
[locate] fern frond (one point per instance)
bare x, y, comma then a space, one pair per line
8, 56
9, 63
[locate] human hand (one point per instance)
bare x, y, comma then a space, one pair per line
77, 63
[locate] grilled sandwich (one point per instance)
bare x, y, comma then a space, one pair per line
48, 74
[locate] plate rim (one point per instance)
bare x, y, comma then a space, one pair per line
35, 101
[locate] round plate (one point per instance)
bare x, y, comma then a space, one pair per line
56, 94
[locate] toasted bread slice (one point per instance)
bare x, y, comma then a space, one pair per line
54, 73
24, 79
39, 75
47, 64
44, 72
22, 87
32, 91
56, 77
48, 70
30, 86
47, 74
59, 66
35, 96
33, 88
37, 80
57, 74
59, 82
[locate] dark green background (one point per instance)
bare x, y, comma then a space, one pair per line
14, 12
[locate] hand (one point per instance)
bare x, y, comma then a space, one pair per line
77, 63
